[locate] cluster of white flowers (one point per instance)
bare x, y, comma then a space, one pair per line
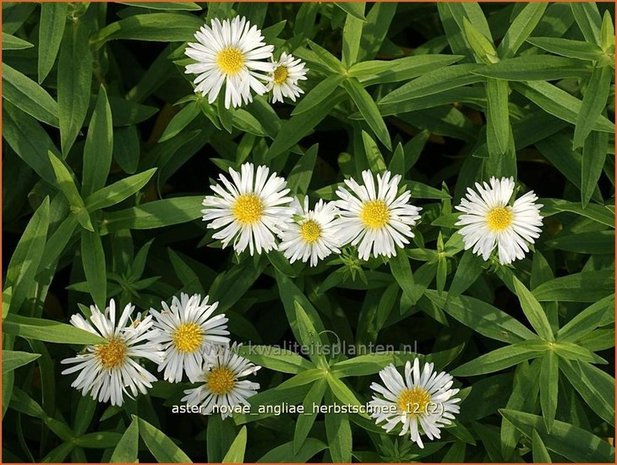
183, 338
253, 210
232, 53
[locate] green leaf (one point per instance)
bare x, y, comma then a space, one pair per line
587, 320
235, 454
27, 95
594, 102
158, 27
128, 447
160, 445
569, 441
375, 28
308, 335
20, 274
338, 433
597, 242
154, 214
607, 33
558, 103
481, 317
568, 47
497, 117
93, 259
355, 9
588, 19
368, 109
341, 391
219, 436
467, 272
374, 157
47, 330
549, 384
534, 68
318, 94
99, 146
352, 35
522, 26
118, 191
540, 454
300, 176
181, 120
533, 311
74, 79
502, 358
401, 270
12, 360
588, 286
482, 47
10, 42
595, 386
51, 29
307, 419
275, 358
594, 157
598, 213
285, 453
166, 6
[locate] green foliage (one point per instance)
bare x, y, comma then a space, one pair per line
109, 153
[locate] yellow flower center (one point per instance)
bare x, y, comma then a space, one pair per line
499, 218
280, 75
220, 380
230, 60
414, 401
375, 214
112, 354
310, 231
248, 209
188, 337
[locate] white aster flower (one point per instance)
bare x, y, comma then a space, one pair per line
422, 401
185, 330
109, 370
374, 216
233, 53
223, 389
489, 221
250, 210
313, 235
283, 81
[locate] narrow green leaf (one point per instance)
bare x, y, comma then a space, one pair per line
160, 445
12, 360
51, 29
502, 358
595, 386
588, 286
118, 191
352, 35
181, 120
128, 447
482, 47
594, 157
374, 158
308, 335
338, 433
497, 117
285, 453
587, 320
99, 146
10, 42
355, 9
534, 68
539, 452
401, 270
594, 102
275, 358
569, 441
27, 95
166, 6
375, 28
522, 26
549, 384
318, 94
235, 454
300, 176
20, 274
158, 27
307, 419
93, 259
48, 330
598, 213
588, 19
568, 47
533, 311
74, 79
368, 109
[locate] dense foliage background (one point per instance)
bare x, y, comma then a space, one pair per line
444, 94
